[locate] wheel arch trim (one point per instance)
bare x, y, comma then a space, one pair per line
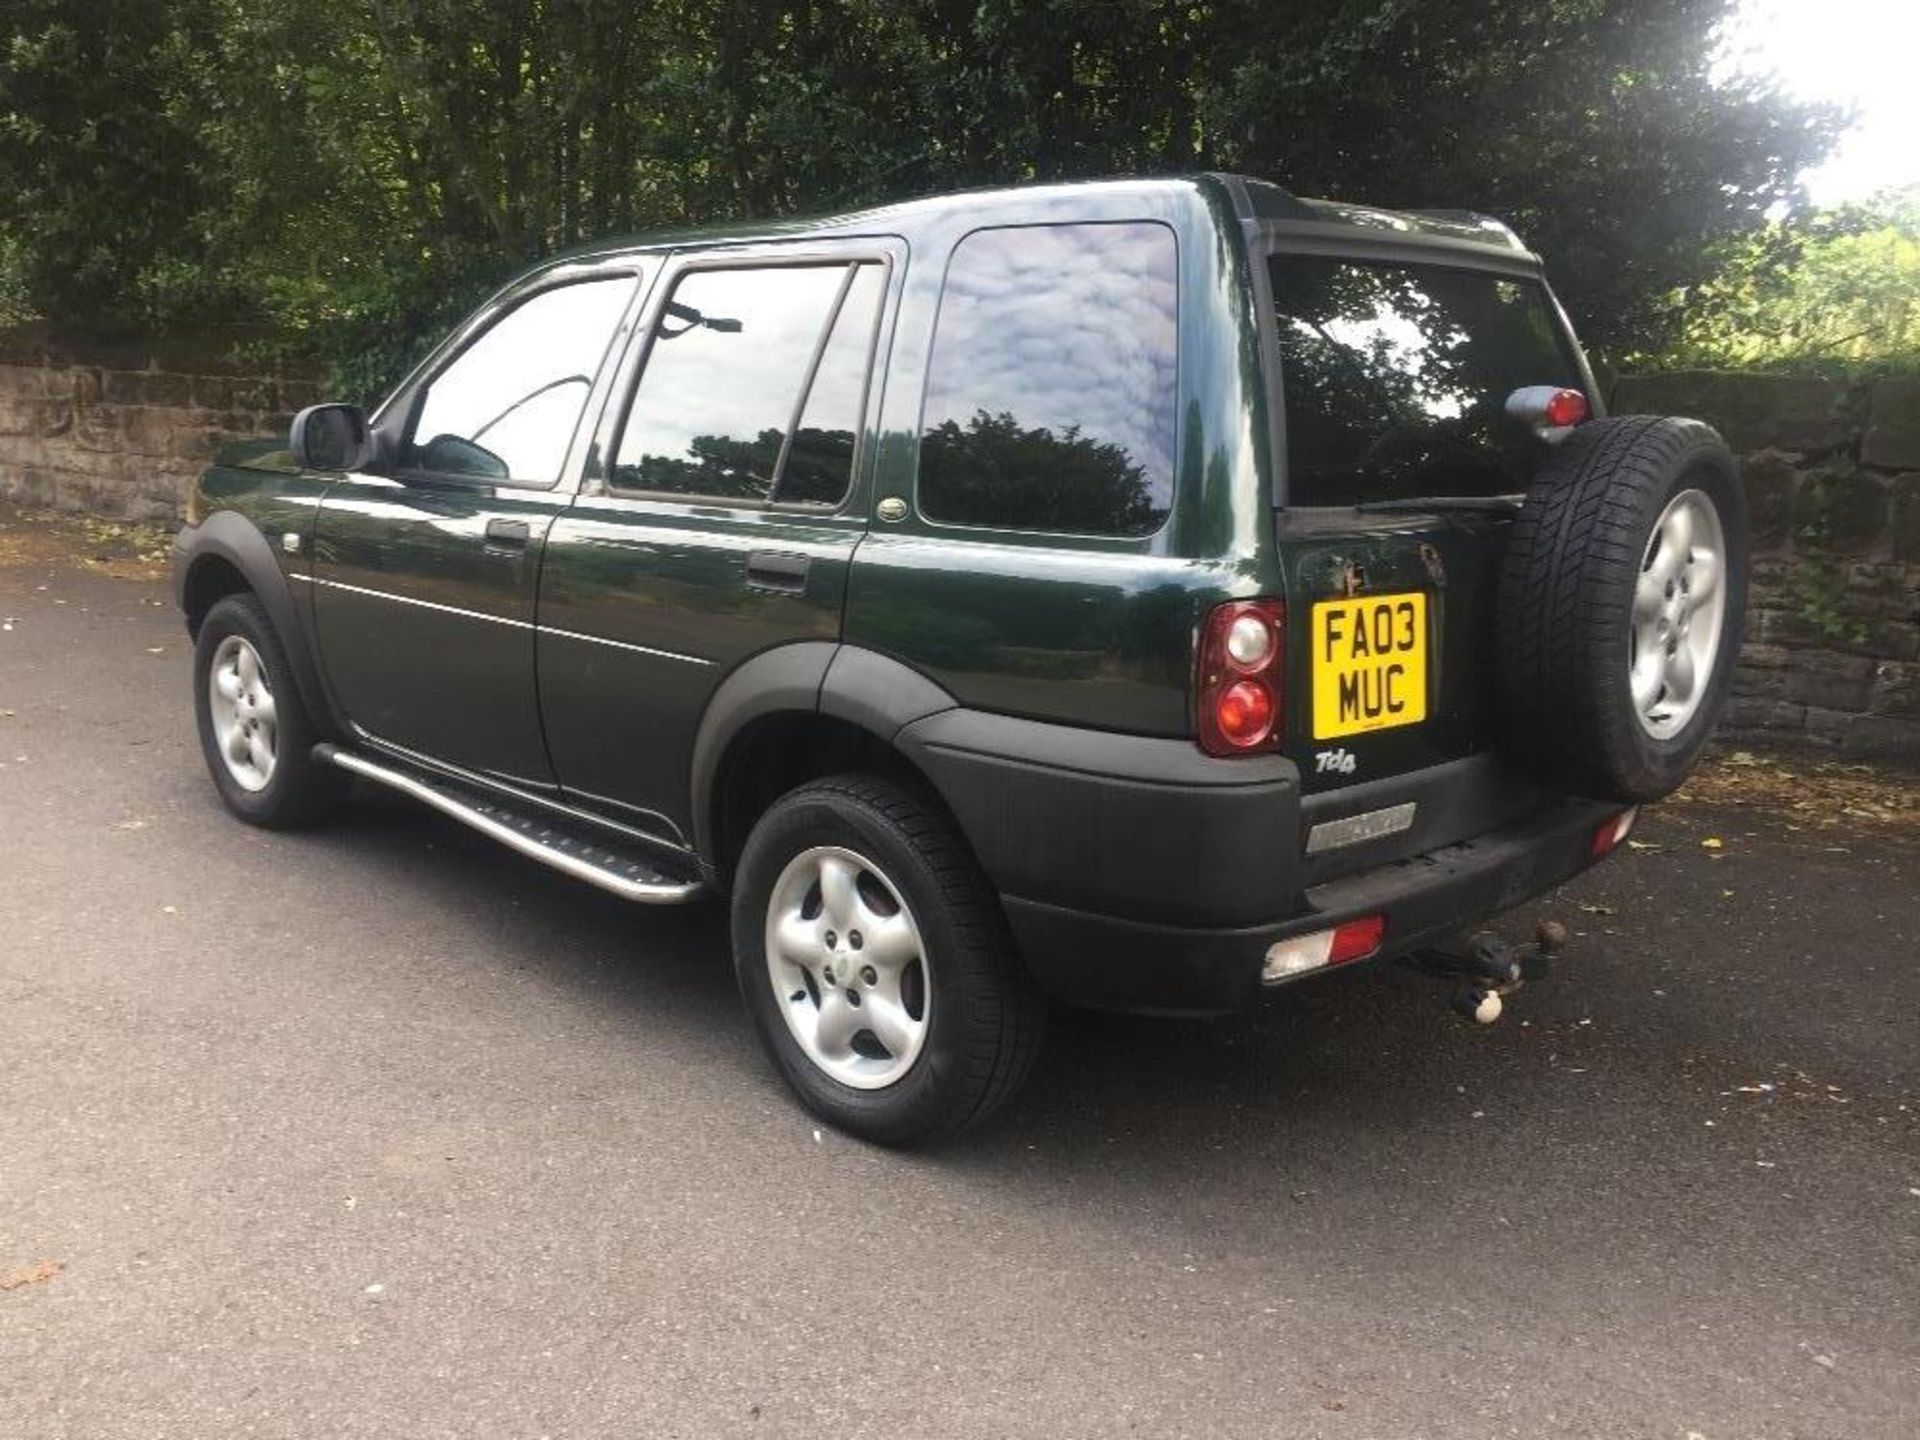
871, 691
229, 536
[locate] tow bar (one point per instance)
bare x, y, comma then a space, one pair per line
1484, 967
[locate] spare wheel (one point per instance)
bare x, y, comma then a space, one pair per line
1621, 597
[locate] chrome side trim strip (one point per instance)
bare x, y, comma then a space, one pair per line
422, 604
623, 645
503, 620
645, 892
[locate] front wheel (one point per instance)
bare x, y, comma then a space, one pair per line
254, 730
876, 965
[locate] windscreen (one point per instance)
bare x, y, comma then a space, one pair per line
1395, 378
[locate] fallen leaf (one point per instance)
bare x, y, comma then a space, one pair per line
32, 1275
1712, 842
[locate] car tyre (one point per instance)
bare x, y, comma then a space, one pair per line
922, 1026
255, 732
1621, 598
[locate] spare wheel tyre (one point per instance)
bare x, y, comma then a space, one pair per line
1621, 597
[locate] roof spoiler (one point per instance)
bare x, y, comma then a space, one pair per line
1261, 199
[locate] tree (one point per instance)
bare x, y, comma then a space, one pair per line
1841, 288
353, 172
101, 180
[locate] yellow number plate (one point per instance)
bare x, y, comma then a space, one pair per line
1369, 664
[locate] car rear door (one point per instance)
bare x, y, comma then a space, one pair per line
1403, 472
424, 577
718, 515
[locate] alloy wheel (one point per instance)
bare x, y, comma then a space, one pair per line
848, 967
245, 722
1679, 614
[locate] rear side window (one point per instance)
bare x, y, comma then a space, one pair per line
1395, 378
754, 385
506, 408
1050, 392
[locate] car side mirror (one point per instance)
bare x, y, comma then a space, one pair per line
330, 437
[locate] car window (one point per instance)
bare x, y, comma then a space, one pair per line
1050, 391
730, 357
507, 406
820, 461
1395, 378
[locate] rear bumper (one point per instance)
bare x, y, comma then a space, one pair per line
1094, 959
1139, 874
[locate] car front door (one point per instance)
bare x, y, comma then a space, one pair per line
424, 577
719, 511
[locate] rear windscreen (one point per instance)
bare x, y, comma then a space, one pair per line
1396, 376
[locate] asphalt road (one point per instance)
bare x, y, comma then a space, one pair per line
382, 1131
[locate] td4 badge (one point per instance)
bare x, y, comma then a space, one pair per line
1338, 761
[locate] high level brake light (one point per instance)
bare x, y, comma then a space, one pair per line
1242, 646
1551, 410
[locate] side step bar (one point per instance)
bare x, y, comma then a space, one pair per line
628, 873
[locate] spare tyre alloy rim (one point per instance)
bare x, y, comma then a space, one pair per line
245, 723
847, 966
1679, 614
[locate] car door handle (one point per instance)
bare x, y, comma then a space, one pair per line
507, 534
769, 570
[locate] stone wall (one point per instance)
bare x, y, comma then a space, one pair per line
120, 428
1832, 470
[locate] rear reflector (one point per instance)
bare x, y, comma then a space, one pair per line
1614, 831
1349, 940
1357, 939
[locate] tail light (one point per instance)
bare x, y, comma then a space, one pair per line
1242, 647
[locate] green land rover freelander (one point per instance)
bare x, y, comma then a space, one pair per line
1136, 594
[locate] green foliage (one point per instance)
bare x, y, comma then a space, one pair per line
352, 173
1819, 577
101, 178
1840, 291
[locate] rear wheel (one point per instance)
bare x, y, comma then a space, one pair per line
254, 730
1621, 599
876, 965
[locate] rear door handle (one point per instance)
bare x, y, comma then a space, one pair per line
507, 534
770, 570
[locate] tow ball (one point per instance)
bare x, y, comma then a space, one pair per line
1484, 968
